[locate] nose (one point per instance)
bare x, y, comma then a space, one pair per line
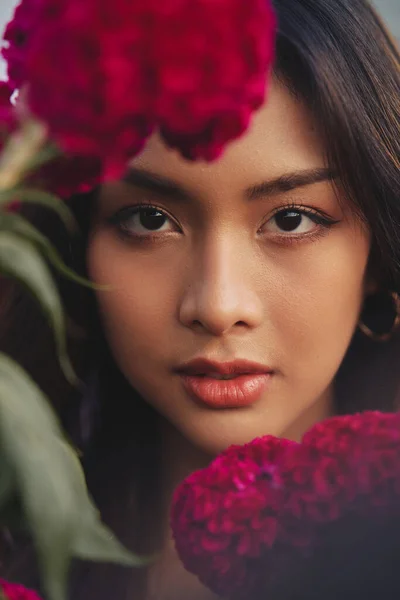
220, 294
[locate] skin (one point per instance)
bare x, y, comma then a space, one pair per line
220, 280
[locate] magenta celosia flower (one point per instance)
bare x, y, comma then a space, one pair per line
103, 75
17, 33
256, 510
226, 516
63, 175
67, 175
14, 591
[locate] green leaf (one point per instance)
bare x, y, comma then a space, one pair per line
20, 259
20, 148
7, 481
60, 515
17, 224
42, 198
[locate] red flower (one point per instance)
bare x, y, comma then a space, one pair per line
226, 516
247, 519
64, 175
68, 175
103, 75
14, 591
17, 36
370, 444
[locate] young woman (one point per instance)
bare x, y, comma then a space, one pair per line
254, 295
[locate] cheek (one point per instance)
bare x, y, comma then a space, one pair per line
137, 308
321, 293
311, 297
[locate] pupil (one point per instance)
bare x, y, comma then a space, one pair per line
151, 218
288, 220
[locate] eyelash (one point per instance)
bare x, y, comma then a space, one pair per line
322, 220
117, 220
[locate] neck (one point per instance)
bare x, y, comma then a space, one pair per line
167, 578
318, 411
180, 458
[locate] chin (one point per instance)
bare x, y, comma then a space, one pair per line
213, 438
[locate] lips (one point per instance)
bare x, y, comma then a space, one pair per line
225, 385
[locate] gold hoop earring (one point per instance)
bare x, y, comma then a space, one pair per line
382, 311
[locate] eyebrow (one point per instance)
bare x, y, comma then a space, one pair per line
147, 180
161, 185
290, 181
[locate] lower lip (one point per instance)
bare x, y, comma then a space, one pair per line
243, 390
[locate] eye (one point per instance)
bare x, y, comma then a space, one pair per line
291, 221
143, 221
296, 221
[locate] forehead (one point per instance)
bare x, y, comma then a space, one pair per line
282, 138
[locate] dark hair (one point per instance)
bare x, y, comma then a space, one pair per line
337, 57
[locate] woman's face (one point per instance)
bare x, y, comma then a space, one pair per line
254, 257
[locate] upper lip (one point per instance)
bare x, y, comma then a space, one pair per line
203, 366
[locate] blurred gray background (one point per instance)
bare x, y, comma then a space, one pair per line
390, 10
